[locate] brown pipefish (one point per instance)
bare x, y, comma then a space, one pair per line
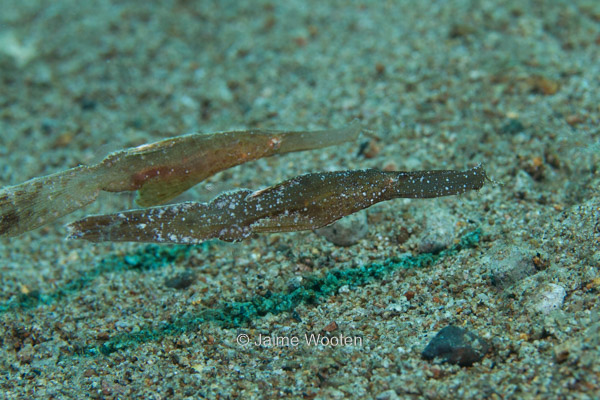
306, 202
158, 172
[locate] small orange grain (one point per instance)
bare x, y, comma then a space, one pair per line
332, 326
545, 85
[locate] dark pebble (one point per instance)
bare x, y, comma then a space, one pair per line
181, 281
87, 104
456, 346
509, 267
512, 127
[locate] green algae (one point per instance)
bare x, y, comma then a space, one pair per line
145, 258
315, 289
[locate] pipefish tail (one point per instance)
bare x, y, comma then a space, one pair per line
306, 202
158, 172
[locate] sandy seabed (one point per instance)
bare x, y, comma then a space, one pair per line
439, 84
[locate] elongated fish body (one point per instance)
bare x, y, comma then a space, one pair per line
158, 172
306, 202
165, 169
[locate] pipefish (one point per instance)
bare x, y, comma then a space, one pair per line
158, 172
306, 202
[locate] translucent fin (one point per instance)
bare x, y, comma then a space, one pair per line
285, 223
42, 200
157, 191
308, 140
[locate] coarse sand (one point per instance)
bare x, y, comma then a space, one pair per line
514, 85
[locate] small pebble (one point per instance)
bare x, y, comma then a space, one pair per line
181, 281
87, 104
544, 85
390, 166
372, 149
387, 395
535, 168
562, 352
26, 353
346, 231
455, 345
512, 127
549, 297
89, 372
510, 266
523, 185
380, 68
332, 326
397, 308
439, 232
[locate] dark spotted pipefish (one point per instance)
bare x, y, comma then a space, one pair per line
306, 202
